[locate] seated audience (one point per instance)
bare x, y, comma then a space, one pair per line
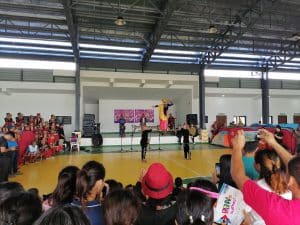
195, 205
121, 207
33, 152
178, 187
248, 159
159, 208
271, 207
65, 189
20, 209
63, 215
89, 186
8, 189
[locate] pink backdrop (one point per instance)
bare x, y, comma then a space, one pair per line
133, 116
149, 114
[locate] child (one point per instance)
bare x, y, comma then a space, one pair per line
33, 151
144, 141
248, 159
186, 142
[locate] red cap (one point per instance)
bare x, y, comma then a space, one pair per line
157, 182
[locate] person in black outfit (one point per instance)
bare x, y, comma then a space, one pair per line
4, 158
186, 141
144, 141
278, 135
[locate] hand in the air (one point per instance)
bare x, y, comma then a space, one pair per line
267, 137
239, 140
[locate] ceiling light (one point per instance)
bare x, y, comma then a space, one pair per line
212, 29
120, 21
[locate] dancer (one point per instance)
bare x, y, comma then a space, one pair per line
163, 108
144, 141
193, 132
186, 142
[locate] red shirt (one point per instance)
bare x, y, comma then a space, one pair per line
271, 207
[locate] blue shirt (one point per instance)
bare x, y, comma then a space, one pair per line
12, 144
93, 210
249, 168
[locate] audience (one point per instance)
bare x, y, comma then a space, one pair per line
63, 215
248, 159
8, 189
159, 208
89, 187
271, 207
20, 209
121, 207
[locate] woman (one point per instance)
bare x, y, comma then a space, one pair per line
144, 141
121, 207
89, 186
195, 205
63, 215
272, 178
65, 189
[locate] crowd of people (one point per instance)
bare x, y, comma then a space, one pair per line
268, 179
27, 139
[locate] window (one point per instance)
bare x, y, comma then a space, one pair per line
240, 120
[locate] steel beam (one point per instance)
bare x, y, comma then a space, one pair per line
153, 39
265, 94
202, 97
74, 37
287, 53
242, 23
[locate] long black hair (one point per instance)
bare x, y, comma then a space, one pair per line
21, 209
87, 177
225, 175
63, 215
66, 186
8, 189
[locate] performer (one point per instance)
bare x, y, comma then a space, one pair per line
144, 141
163, 113
122, 127
171, 122
143, 120
186, 142
193, 132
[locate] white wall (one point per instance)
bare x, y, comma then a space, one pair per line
107, 107
46, 104
288, 106
230, 106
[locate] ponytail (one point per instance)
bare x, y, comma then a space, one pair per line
270, 170
91, 172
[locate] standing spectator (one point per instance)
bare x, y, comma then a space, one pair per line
19, 119
61, 134
13, 153
248, 159
89, 186
38, 120
52, 120
9, 122
121, 207
159, 209
5, 160
278, 134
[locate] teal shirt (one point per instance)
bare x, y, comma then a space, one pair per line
249, 168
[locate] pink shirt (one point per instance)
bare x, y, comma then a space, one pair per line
272, 208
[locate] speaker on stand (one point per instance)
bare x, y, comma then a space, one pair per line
192, 119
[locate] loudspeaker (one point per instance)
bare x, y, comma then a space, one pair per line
97, 140
192, 119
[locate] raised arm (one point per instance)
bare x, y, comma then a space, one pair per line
237, 167
281, 151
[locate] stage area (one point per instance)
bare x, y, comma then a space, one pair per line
124, 167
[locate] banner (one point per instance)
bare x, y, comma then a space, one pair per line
230, 206
149, 114
128, 115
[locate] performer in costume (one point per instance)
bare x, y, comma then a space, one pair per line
122, 127
144, 141
186, 141
193, 132
163, 108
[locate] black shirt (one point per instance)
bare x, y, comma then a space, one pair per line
144, 139
61, 133
186, 135
3, 143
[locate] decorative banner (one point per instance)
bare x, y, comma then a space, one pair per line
230, 206
149, 114
128, 115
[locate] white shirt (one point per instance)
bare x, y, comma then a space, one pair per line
33, 149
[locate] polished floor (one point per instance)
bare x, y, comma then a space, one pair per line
124, 167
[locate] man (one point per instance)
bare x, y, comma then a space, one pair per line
5, 160
122, 127
143, 120
171, 122
144, 141
272, 208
